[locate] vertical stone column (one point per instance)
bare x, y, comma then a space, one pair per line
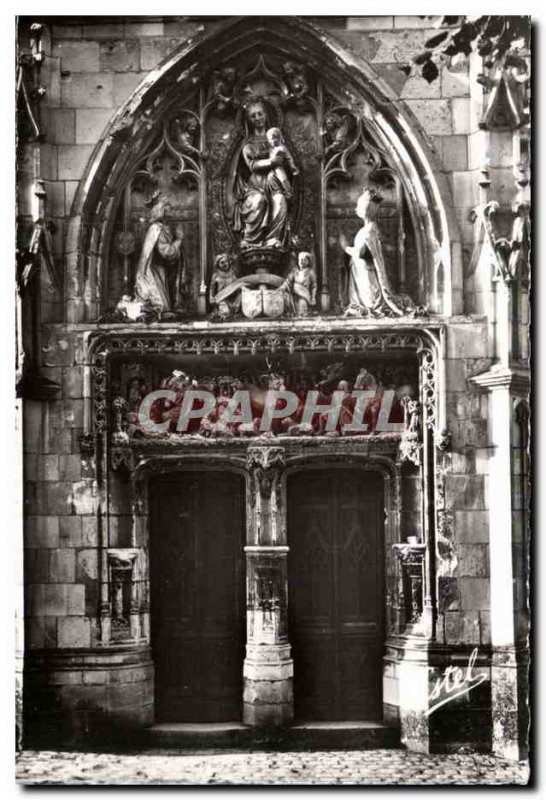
509, 700
268, 668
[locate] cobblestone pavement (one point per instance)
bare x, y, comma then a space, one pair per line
372, 767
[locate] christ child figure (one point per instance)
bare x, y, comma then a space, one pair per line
278, 175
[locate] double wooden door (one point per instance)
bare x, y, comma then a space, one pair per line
197, 596
335, 533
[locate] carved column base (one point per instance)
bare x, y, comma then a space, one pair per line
510, 703
268, 696
413, 680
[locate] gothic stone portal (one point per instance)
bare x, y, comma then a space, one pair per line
335, 568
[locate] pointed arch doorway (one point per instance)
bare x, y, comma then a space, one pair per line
336, 596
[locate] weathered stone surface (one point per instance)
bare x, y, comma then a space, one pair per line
36, 564
77, 56
70, 189
454, 153
73, 160
461, 115
120, 56
47, 599
42, 531
50, 468
73, 632
473, 560
369, 23
153, 51
418, 88
465, 492
144, 29
455, 82
124, 85
66, 31
434, 115
86, 565
474, 594
59, 125
268, 691
397, 46
90, 124
103, 30
75, 599
57, 497
62, 565
84, 500
70, 467
87, 91
471, 526
89, 531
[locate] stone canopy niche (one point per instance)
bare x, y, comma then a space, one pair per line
245, 198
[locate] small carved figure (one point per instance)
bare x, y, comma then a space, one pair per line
279, 151
301, 285
335, 133
369, 289
160, 276
225, 303
296, 80
222, 85
187, 129
411, 415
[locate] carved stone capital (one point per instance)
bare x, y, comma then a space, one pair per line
264, 464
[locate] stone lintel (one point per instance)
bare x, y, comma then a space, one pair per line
516, 380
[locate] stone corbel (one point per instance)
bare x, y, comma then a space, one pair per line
411, 556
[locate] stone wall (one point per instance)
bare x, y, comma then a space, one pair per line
90, 69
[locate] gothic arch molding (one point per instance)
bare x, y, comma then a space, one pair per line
390, 125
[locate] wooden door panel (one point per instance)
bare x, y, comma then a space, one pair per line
335, 533
198, 608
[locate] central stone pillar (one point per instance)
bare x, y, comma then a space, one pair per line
268, 668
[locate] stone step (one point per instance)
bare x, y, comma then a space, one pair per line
301, 736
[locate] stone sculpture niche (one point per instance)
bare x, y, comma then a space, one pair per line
243, 197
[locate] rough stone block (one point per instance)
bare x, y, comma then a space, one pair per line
153, 51
464, 492
103, 30
467, 341
70, 188
267, 715
485, 627
74, 632
62, 565
90, 124
73, 160
397, 46
75, 599
465, 189
415, 21
66, 32
416, 88
87, 91
48, 161
89, 531
97, 676
59, 125
455, 153
120, 56
50, 468
86, 565
455, 83
472, 526
138, 29
470, 432
370, 23
84, 499
42, 532
474, 594
453, 627
55, 198
32, 420
471, 627
70, 531
70, 467
57, 495
124, 85
268, 691
77, 56
473, 560
36, 565
460, 107
434, 115
53, 600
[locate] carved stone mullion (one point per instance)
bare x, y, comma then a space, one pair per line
268, 668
